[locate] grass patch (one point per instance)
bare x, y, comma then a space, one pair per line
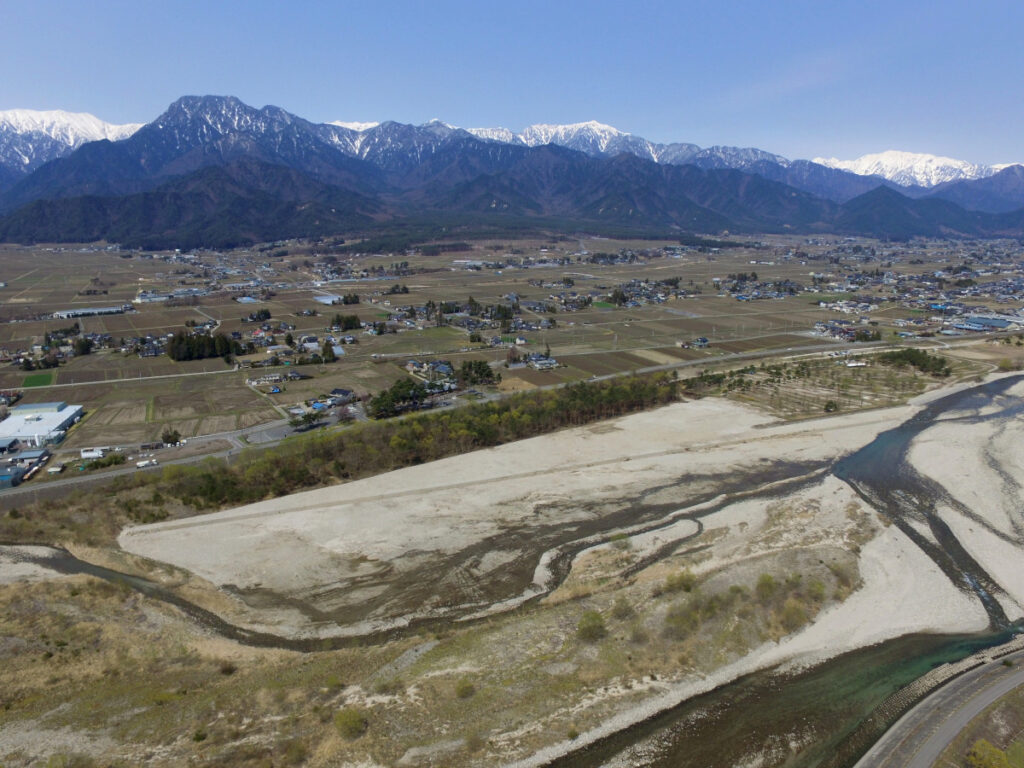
43, 379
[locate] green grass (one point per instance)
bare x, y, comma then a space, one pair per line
603, 305
38, 379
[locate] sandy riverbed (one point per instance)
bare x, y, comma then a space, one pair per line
443, 539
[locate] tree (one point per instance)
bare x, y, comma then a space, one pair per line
473, 372
327, 353
289, 339
83, 345
170, 436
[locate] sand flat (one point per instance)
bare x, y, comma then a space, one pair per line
413, 542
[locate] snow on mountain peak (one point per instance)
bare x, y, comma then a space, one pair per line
356, 125
911, 168
592, 131
70, 128
503, 135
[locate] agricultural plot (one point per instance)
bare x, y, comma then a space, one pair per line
139, 411
809, 388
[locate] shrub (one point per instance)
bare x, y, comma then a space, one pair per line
351, 722
984, 754
464, 688
816, 590
295, 752
638, 635
682, 619
391, 687
794, 615
621, 609
682, 581
765, 587
591, 627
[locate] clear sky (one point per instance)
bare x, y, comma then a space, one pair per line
803, 79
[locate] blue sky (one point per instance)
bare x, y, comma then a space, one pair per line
799, 78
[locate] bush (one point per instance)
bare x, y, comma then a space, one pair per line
682, 619
794, 615
984, 754
765, 587
683, 581
464, 688
391, 687
637, 634
591, 627
816, 590
621, 609
351, 722
295, 752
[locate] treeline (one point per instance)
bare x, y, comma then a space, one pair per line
346, 322
401, 396
370, 449
918, 358
187, 346
473, 372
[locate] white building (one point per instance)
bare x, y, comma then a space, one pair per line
40, 423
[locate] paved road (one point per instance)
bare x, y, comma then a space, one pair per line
920, 736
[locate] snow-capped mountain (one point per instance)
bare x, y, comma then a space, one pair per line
29, 138
71, 128
355, 125
912, 168
216, 170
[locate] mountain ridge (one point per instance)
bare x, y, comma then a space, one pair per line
398, 171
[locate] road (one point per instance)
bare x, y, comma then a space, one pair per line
919, 737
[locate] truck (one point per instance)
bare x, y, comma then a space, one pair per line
92, 453
146, 463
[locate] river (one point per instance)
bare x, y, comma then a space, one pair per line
813, 718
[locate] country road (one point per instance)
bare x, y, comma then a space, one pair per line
919, 737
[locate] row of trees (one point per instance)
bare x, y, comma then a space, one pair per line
346, 322
473, 372
372, 448
405, 394
186, 346
918, 358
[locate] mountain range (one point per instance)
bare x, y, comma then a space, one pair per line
214, 171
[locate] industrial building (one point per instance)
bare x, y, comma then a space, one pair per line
39, 423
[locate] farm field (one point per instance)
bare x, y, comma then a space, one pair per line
131, 397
